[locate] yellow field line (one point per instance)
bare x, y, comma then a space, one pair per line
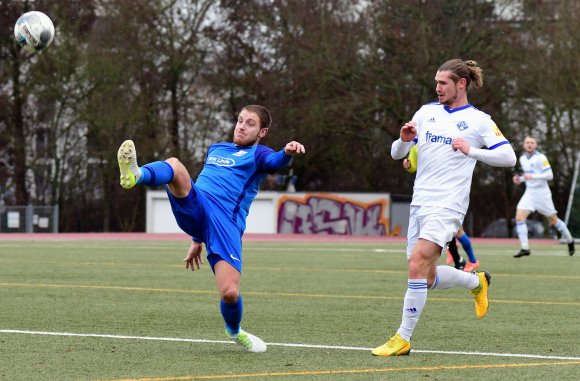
277, 294
352, 371
301, 269
101, 287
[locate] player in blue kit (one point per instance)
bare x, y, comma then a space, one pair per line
213, 209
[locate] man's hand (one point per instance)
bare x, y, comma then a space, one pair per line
517, 180
294, 148
406, 164
459, 144
193, 255
408, 131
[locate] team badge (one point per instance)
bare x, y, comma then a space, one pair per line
462, 126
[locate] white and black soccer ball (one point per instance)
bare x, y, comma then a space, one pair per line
34, 31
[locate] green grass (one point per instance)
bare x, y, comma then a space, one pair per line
299, 293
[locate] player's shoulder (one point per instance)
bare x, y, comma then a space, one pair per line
477, 113
262, 149
430, 106
428, 109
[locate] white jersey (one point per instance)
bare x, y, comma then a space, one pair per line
443, 175
536, 164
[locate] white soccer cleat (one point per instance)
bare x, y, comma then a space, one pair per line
127, 157
250, 342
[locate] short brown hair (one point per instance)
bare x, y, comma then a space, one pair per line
263, 114
469, 70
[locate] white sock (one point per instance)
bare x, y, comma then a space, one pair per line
563, 229
415, 299
522, 230
448, 277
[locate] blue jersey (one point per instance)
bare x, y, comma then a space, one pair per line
215, 210
232, 175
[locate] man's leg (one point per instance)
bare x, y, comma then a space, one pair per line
476, 282
466, 244
522, 230
231, 307
422, 265
171, 171
423, 253
456, 259
563, 229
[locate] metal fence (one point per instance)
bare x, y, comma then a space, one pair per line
28, 219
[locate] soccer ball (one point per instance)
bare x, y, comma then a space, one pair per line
34, 31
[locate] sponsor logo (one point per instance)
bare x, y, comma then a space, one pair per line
431, 120
234, 257
240, 153
221, 161
412, 310
496, 130
430, 138
462, 126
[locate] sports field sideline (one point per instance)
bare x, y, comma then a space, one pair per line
121, 306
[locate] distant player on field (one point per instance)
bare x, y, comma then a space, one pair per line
537, 197
449, 135
213, 210
410, 165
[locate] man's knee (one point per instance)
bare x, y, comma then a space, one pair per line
553, 220
229, 294
521, 215
181, 183
178, 167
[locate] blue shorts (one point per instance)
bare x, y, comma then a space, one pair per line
206, 221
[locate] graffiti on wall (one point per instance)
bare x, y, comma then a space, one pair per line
329, 214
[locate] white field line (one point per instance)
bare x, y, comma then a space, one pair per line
337, 347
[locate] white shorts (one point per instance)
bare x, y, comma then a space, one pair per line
537, 202
434, 224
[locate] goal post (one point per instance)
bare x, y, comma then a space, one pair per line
572, 218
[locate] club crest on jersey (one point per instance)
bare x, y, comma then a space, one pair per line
240, 153
462, 126
431, 138
221, 161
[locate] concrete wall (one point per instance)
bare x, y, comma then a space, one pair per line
301, 213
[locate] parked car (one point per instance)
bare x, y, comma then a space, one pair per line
499, 229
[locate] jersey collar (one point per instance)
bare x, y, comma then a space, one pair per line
450, 111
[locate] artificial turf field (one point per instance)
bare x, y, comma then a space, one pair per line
127, 309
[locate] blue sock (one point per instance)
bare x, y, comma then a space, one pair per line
232, 314
156, 173
466, 244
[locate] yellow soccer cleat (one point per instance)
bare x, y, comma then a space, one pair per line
480, 293
127, 157
396, 346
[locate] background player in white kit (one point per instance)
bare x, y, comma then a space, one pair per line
537, 197
449, 135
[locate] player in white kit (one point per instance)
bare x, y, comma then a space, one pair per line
537, 197
450, 135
